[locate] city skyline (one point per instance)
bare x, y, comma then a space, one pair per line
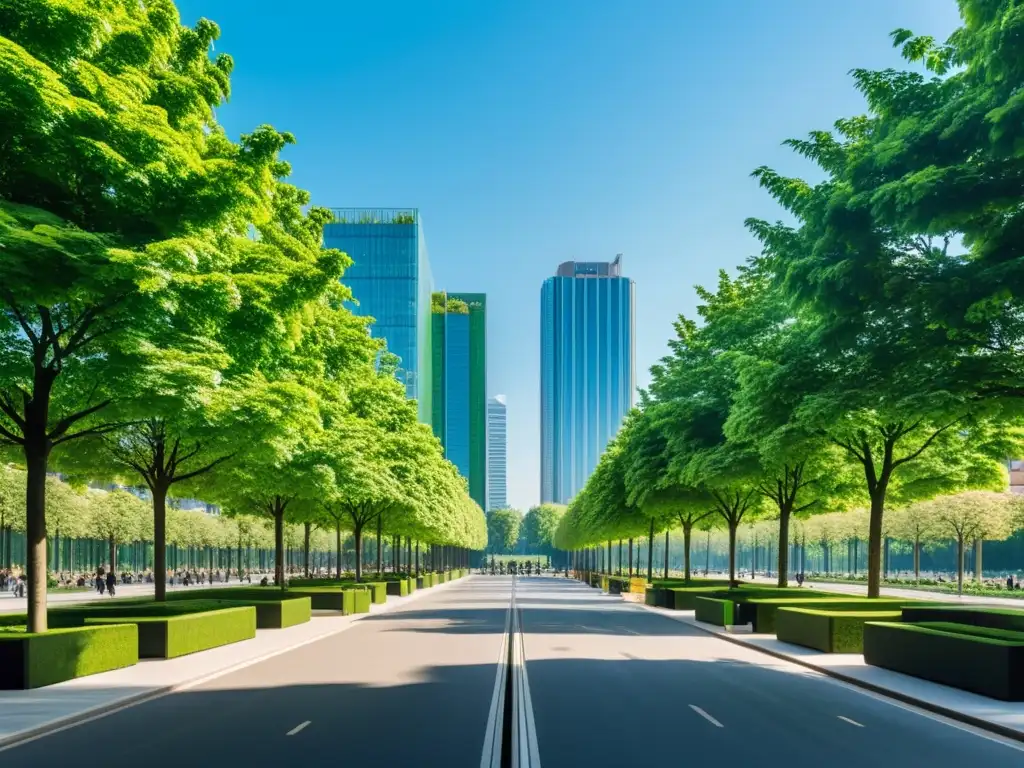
588, 370
644, 158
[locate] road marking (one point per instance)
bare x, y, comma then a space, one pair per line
490, 756
851, 722
525, 753
706, 716
298, 728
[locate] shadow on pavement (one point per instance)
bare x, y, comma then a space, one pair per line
589, 712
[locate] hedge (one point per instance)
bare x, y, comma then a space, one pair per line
167, 637
828, 631
990, 666
996, 618
341, 599
714, 611
274, 609
32, 660
760, 612
397, 588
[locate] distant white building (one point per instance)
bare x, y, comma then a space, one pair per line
497, 453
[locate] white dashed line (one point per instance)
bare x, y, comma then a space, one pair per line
298, 728
851, 722
706, 716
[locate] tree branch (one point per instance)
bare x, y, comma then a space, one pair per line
203, 470
924, 446
64, 424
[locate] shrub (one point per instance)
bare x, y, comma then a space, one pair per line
715, 611
346, 600
760, 612
828, 631
32, 660
397, 588
274, 609
167, 637
996, 618
990, 666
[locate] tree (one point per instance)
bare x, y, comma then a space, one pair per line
972, 516
916, 523
105, 244
539, 526
503, 530
117, 517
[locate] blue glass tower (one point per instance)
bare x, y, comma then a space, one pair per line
390, 281
587, 370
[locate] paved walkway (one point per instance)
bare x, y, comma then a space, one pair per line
11, 604
42, 709
904, 593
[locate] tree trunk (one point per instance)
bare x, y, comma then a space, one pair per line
917, 558
159, 493
417, 559
650, 553
357, 533
308, 529
35, 530
337, 548
687, 538
783, 576
620, 558
279, 543
112, 554
960, 564
631, 558
666, 553
380, 561
875, 535
732, 553
978, 570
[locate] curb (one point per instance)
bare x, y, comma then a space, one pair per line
936, 709
133, 700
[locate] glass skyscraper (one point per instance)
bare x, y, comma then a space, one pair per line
497, 453
459, 384
587, 370
390, 281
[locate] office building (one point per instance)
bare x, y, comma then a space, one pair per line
390, 281
588, 376
459, 384
497, 453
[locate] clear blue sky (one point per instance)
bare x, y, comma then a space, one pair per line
529, 133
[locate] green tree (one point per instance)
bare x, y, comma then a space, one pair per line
539, 526
972, 516
105, 256
503, 530
116, 516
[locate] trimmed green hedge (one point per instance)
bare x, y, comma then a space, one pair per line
38, 659
274, 609
397, 588
987, 665
715, 611
346, 600
1009, 635
828, 631
996, 618
167, 637
760, 612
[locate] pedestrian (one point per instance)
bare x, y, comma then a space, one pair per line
111, 583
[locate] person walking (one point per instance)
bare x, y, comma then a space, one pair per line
111, 583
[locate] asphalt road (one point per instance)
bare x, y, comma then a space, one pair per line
614, 685
611, 685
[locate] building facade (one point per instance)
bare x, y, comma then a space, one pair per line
497, 453
390, 281
588, 370
459, 384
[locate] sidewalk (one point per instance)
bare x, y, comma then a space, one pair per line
1003, 717
24, 714
909, 593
